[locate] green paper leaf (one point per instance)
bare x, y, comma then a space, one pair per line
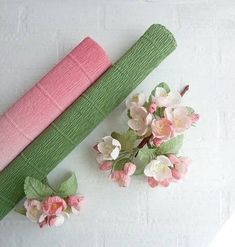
172, 146
160, 112
119, 164
190, 110
68, 187
165, 86
35, 189
127, 140
162, 85
145, 155
21, 211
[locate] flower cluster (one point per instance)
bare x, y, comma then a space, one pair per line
46, 206
151, 143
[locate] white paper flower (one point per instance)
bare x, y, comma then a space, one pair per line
159, 168
164, 99
135, 100
140, 121
33, 210
109, 148
179, 118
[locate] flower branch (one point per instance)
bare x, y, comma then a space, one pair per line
153, 140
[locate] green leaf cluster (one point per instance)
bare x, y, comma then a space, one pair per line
35, 189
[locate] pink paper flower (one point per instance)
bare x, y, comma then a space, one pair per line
179, 118
180, 166
54, 205
33, 210
162, 129
122, 177
140, 121
75, 202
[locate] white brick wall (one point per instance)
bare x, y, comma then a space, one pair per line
34, 35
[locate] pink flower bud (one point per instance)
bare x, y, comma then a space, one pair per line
157, 142
152, 182
194, 117
152, 107
105, 166
95, 147
129, 168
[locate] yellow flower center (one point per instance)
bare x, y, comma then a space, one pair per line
34, 211
135, 98
163, 168
178, 122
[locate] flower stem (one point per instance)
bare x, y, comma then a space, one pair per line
186, 88
144, 141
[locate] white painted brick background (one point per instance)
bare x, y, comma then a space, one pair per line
35, 35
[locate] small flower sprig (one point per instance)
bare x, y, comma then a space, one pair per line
48, 206
153, 140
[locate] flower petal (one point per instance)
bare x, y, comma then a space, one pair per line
162, 159
173, 98
116, 143
114, 154
149, 171
134, 124
159, 91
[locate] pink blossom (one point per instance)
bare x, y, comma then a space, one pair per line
122, 177
54, 205
179, 118
75, 202
140, 120
162, 129
105, 166
152, 108
180, 166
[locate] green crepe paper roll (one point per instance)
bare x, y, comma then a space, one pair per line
70, 128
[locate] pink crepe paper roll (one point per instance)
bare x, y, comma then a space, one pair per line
41, 105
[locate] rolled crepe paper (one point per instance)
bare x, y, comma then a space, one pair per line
71, 127
41, 105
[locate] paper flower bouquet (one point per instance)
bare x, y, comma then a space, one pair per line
47, 206
151, 144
